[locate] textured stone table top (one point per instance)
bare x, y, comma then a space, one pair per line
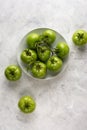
61, 103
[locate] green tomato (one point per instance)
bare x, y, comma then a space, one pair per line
39, 69
28, 56
54, 64
32, 39
13, 72
80, 37
49, 36
62, 50
43, 53
26, 104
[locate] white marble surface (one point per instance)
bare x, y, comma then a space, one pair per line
61, 103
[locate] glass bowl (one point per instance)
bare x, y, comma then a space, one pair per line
23, 45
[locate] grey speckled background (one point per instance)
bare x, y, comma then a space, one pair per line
61, 103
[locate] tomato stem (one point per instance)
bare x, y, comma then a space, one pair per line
44, 41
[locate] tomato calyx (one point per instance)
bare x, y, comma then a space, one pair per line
28, 53
12, 73
38, 67
53, 61
80, 36
26, 105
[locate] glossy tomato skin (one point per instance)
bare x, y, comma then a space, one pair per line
32, 39
13, 72
28, 55
26, 104
62, 50
49, 36
80, 37
43, 53
39, 69
54, 64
